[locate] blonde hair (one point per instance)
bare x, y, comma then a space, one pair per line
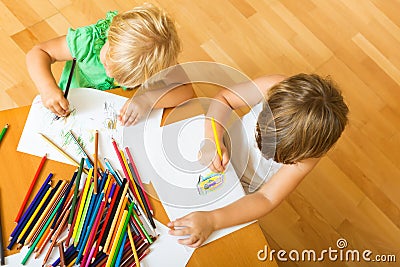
142, 42
309, 116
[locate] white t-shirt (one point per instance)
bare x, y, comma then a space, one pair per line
246, 157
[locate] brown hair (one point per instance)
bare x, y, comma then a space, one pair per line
143, 41
309, 115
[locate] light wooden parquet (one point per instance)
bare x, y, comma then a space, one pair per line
354, 193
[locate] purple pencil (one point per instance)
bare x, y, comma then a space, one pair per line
31, 206
114, 185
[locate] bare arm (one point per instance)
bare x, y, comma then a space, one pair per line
199, 225
242, 95
38, 61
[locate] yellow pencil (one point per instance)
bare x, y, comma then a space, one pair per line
83, 215
61, 151
41, 218
84, 194
133, 247
110, 233
131, 178
114, 246
113, 235
216, 138
35, 213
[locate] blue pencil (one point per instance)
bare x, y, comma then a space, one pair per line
22, 223
121, 251
113, 172
33, 204
81, 245
70, 250
112, 190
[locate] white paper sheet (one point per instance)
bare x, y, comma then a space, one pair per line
93, 110
169, 157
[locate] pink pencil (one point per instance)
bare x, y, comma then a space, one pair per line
121, 161
87, 258
139, 180
28, 194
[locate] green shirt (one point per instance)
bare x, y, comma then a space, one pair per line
85, 44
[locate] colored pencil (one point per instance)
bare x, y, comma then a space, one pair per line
113, 248
112, 171
26, 218
76, 191
2, 261
93, 232
90, 254
136, 172
33, 203
3, 132
81, 248
116, 221
40, 234
62, 255
111, 193
28, 194
83, 215
136, 192
37, 214
108, 220
56, 235
216, 138
121, 238
96, 154
43, 215
121, 161
64, 198
83, 151
60, 150
120, 250
133, 247
82, 204
68, 83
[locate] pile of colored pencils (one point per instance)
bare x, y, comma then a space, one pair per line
106, 223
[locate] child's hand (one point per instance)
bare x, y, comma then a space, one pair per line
54, 100
133, 110
208, 156
197, 225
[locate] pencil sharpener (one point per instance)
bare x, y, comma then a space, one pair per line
210, 182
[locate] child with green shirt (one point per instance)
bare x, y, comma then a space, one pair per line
121, 50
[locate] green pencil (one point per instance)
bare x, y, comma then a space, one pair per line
142, 228
3, 132
77, 183
41, 233
82, 221
121, 237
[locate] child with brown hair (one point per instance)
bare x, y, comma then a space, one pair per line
121, 50
294, 121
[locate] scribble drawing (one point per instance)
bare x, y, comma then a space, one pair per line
210, 182
110, 119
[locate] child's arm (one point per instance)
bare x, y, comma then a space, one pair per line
39, 60
242, 95
199, 225
142, 103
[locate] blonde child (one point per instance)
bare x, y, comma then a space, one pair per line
121, 50
307, 116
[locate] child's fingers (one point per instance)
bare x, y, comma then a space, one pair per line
188, 241
197, 244
64, 104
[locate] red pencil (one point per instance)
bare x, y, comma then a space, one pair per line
28, 194
121, 161
139, 180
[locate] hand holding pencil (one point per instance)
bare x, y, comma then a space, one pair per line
213, 152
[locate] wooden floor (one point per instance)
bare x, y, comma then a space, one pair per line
354, 193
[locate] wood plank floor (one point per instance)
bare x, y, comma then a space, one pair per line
354, 193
